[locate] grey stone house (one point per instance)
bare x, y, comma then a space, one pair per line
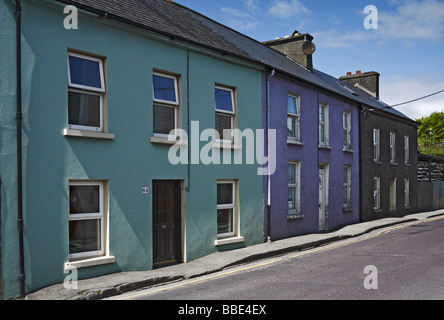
389, 154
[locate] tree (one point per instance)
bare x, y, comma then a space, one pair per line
431, 134
431, 130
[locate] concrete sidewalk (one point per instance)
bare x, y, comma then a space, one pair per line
118, 283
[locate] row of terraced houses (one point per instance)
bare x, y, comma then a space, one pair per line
107, 164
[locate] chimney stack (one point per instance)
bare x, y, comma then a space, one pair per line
298, 47
367, 81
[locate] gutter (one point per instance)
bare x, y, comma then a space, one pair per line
267, 124
19, 117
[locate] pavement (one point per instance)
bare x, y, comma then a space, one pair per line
122, 282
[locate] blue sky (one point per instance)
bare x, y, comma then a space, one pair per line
407, 49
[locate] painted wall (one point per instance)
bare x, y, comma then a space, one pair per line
310, 156
127, 162
383, 168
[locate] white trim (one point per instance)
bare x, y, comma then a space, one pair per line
89, 262
88, 134
90, 216
325, 124
89, 128
102, 77
296, 117
376, 144
232, 100
297, 188
229, 206
176, 91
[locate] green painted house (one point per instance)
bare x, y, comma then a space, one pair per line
105, 164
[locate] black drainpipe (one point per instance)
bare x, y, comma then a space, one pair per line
18, 15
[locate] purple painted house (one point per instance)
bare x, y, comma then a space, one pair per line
315, 186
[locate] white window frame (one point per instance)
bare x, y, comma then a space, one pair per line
295, 117
91, 216
168, 104
406, 193
376, 145
392, 147
231, 113
406, 149
297, 189
88, 90
346, 125
347, 187
229, 206
325, 124
377, 193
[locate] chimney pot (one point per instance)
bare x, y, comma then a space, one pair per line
367, 81
292, 46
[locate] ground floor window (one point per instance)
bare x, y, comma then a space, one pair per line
226, 209
86, 219
376, 193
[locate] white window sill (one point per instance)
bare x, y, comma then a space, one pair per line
88, 134
90, 262
295, 142
160, 140
324, 146
220, 242
221, 145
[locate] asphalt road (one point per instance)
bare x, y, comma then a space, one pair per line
404, 262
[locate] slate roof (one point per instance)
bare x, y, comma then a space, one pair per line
178, 22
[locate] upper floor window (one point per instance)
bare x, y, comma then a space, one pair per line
323, 125
392, 147
225, 113
376, 153
346, 129
406, 150
86, 90
293, 118
166, 104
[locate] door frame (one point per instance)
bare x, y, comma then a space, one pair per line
178, 224
323, 210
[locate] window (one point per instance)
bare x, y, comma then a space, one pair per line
323, 125
346, 191
294, 174
166, 103
346, 125
226, 209
86, 90
406, 150
293, 118
86, 219
376, 193
376, 153
406, 193
225, 111
392, 147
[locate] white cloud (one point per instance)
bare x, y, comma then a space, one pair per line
400, 89
287, 9
242, 19
410, 23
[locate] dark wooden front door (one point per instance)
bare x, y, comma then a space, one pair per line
166, 223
